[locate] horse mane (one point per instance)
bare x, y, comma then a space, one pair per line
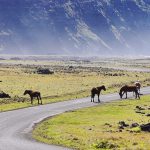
101, 87
29, 90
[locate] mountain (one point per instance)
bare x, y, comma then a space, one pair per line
75, 27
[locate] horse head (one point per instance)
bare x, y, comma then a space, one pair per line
104, 88
8, 96
120, 93
26, 92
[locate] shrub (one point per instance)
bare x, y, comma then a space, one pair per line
105, 145
44, 71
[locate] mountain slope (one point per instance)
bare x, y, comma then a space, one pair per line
90, 27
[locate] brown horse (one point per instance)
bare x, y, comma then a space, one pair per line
97, 91
33, 94
127, 88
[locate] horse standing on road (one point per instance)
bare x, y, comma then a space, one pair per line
33, 94
126, 89
97, 91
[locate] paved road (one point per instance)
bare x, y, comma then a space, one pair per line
15, 126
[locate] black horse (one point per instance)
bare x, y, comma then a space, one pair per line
97, 91
33, 94
127, 88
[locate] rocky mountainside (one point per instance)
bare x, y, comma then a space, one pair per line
75, 27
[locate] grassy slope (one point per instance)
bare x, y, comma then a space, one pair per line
86, 129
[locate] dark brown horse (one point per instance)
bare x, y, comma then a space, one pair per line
127, 88
33, 94
97, 91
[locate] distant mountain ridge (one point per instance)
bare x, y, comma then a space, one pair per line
75, 27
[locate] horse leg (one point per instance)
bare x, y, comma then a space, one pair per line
93, 97
31, 100
126, 95
41, 100
38, 99
135, 94
138, 95
123, 94
98, 97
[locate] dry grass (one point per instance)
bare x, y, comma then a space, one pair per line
68, 82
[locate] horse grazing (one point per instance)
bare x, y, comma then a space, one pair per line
33, 94
97, 91
127, 88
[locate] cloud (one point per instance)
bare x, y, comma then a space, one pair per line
5, 33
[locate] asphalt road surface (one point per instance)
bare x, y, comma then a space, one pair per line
16, 126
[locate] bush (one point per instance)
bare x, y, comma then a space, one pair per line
4, 95
105, 145
44, 71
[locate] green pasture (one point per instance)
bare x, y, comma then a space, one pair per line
98, 127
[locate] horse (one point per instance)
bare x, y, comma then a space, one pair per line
138, 85
127, 88
33, 94
97, 91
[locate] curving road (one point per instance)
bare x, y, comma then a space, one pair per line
16, 126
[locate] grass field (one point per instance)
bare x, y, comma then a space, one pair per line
68, 82
98, 128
